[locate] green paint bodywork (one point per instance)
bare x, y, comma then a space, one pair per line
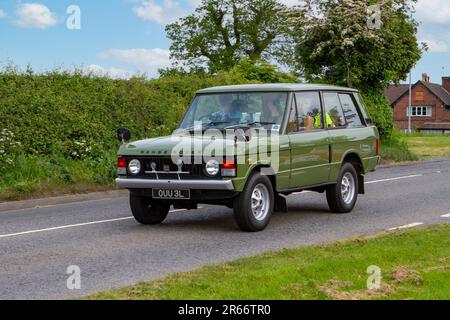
306, 159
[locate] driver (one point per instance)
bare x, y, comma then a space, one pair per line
237, 108
225, 104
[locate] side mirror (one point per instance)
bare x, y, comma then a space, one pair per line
123, 135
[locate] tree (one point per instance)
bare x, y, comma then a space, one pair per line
219, 32
336, 43
258, 71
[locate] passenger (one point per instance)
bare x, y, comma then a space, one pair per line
328, 121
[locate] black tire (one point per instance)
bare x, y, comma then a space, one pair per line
243, 212
339, 201
147, 211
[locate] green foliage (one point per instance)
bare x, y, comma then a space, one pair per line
219, 32
259, 71
8, 147
396, 149
380, 111
335, 43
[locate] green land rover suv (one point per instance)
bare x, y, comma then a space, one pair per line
248, 147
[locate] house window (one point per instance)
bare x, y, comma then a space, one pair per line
420, 111
419, 96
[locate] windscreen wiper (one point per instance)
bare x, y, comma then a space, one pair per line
207, 125
264, 123
248, 125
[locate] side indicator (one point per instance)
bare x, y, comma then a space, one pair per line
228, 169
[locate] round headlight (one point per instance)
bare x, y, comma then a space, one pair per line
212, 167
134, 166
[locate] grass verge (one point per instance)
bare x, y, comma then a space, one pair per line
396, 149
414, 264
31, 176
428, 146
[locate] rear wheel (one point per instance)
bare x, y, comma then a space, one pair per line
148, 211
253, 208
342, 196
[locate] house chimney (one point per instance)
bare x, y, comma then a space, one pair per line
446, 83
425, 77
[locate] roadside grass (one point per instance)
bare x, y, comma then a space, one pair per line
428, 146
415, 264
395, 149
33, 176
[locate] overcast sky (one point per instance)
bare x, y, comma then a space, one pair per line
124, 37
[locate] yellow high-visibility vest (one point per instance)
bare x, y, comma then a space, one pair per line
328, 120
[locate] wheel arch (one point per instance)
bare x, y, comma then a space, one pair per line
353, 158
269, 172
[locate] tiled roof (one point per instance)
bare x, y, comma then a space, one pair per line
438, 91
393, 93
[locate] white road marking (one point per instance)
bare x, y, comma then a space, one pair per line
406, 226
72, 226
62, 227
396, 178
446, 215
375, 181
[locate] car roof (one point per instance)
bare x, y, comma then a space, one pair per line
274, 87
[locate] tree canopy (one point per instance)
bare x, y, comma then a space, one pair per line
220, 32
335, 42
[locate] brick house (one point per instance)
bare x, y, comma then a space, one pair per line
430, 105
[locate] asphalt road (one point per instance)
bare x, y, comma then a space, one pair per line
112, 250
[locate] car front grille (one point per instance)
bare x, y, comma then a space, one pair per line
166, 169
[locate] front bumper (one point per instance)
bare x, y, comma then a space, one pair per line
123, 183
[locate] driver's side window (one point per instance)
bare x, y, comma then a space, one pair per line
207, 106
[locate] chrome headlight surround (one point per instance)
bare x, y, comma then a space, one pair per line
134, 167
212, 167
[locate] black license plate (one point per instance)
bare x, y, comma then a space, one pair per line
171, 194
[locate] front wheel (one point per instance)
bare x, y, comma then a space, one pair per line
148, 211
253, 208
342, 196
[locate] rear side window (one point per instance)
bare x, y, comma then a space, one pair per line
350, 112
308, 110
334, 116
363, 108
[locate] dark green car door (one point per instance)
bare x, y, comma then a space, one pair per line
309, 141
